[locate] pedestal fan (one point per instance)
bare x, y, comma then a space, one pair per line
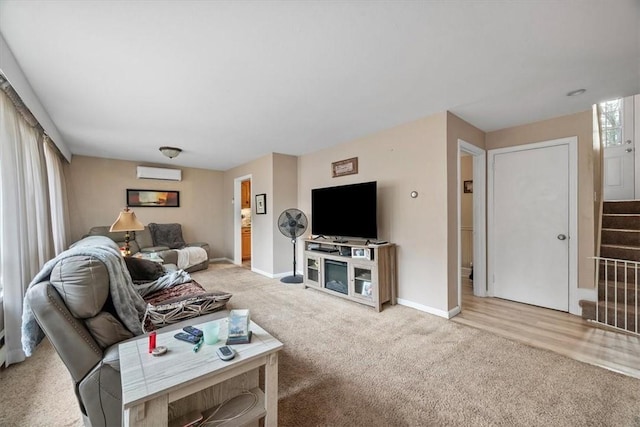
292, 223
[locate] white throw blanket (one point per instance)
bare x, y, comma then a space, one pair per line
170, 279
191, 255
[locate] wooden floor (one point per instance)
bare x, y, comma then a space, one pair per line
552, 330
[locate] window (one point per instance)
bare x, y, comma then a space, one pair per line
611, 122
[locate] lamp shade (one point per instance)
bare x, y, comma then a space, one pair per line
127, 221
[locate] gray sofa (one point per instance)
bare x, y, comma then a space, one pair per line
142, 241
75, 311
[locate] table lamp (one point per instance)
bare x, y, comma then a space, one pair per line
127, 222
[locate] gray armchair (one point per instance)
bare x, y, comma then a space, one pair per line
74, 309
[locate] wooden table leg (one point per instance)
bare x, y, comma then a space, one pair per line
152, 413
271, 390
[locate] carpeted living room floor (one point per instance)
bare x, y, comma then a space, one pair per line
343, 364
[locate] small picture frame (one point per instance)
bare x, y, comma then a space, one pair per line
364, 253
344, 167
261, 204
239, 323
366, 289
468, 187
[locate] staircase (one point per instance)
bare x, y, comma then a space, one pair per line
618, 268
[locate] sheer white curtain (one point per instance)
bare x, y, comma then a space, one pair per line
57, 197
25, 243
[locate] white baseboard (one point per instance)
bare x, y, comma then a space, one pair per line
454, 312
435, 311
274, 276
262, 273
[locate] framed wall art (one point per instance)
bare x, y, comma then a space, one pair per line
261, 204
344, 167
153, 198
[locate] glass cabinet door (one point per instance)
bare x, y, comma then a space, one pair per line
363, 279
312, 269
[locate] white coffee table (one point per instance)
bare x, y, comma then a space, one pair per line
156, 390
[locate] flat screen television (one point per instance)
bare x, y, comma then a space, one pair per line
345, 211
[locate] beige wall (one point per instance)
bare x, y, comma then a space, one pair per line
285, 195
598, 161
261, 172
457, 129
579, 125
402, 159
276, 176
97, 192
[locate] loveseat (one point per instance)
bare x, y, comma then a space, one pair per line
142, 242
72, 301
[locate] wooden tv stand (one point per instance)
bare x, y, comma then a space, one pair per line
352, 270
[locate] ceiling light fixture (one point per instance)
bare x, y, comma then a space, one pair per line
576, 92
170, 152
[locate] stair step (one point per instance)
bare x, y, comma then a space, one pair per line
621, 221
611, 236
623, 252
608, 313
616, 291
621, 206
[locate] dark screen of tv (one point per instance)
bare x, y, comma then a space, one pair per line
345, 211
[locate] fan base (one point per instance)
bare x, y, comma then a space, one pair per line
292, 279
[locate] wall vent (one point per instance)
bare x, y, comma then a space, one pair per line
145, 172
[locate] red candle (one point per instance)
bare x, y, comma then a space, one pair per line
152, 341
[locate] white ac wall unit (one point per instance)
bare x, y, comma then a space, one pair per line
145, 172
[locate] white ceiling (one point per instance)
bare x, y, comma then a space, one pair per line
230, 81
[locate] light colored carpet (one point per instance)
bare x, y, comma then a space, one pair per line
38, 392
343, 364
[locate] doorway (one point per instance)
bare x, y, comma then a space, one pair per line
245, 222
533, 223
242, 216
617, 123
472, 223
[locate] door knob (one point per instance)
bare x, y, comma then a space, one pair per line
562, 237
628, 150
628, 141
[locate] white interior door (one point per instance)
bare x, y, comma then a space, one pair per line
619, 151
530, 236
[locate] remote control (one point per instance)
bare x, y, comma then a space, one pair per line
183, 336
193, 331
225, 352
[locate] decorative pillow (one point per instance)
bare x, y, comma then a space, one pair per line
143, 269
106, 329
